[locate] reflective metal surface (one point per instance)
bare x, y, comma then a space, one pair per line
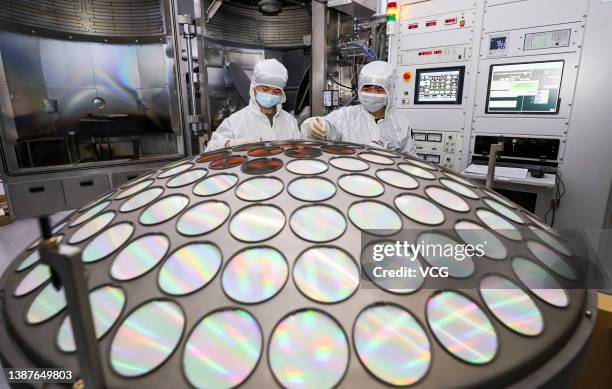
260, 280
80, 103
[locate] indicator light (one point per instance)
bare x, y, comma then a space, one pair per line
392, 11
407, 76
391, 17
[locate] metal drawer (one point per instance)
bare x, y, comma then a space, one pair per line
36, 198
81, 190
123, 177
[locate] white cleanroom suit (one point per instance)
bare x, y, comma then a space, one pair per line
250, 124
356, 124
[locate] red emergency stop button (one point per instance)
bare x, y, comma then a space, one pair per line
407, 76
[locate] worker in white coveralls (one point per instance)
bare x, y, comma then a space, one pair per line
263, 119
373, 121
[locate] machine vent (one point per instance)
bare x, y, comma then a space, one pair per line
125, 18
142, 17
63, 15
245, 25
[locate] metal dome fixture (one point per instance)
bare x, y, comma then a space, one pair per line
270, 7
256, 265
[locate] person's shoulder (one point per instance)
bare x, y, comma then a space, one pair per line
242, 111
239, 115
285, 115
401, 120
350, 110
288, 120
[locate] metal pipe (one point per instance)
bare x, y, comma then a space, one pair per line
318, 73
188, 35
495, 148
192, 90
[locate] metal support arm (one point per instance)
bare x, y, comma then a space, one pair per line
67, 271
495, 148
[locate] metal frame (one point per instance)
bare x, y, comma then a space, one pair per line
11, 174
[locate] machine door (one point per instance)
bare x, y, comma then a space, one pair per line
87, 86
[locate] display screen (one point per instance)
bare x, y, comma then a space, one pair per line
432, 158
434, 137
439, 85
498, 43
525, 88
419, 136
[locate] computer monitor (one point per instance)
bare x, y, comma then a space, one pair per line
439, 85
525, 88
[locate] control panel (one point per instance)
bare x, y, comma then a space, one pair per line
498, 45
532, 41
439, 85
440, 147
435, 23
547, 39
437, 54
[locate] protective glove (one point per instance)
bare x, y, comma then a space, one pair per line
380, 143
317, 129
241, 141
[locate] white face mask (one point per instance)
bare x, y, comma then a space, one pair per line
372, 102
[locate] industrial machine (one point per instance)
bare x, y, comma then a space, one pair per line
91, 97
254, 266
482, 72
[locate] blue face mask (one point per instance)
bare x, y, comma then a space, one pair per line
267, 100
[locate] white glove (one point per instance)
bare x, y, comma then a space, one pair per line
317, 129
380, 143
241, 141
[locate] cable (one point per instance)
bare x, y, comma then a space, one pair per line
353, 98
560, 190
381, 42
371, 55
559, 196
342, 85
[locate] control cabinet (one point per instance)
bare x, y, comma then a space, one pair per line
442, 148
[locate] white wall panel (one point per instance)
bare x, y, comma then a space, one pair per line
420, 8
543, 127
532, 13
434, 119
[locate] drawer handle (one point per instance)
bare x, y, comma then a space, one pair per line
36, 189
86, 183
